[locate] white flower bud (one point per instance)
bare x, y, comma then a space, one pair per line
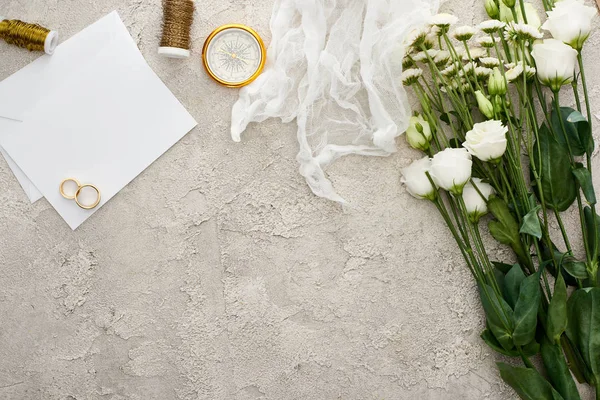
491, 8
418, 133
497, 83
485, 106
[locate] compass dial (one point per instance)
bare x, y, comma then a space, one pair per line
234, 56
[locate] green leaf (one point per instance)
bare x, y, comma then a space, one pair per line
558, 184
584, 178
531, 223
576, 127
583, 329
505, 228
489, 338
499, 316
526, 309
528, 383
531, 349
559, 257
558, 371
512, 284
584, 130
503, 266
575, 268
557, 311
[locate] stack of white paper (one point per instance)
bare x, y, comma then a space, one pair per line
94, 111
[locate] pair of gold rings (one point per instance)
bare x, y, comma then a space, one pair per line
76, 196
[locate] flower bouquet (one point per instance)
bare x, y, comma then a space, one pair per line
497, 140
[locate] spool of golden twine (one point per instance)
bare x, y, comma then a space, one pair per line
32, 37
177, 24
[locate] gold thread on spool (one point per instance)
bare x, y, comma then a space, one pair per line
32, 37
177, 25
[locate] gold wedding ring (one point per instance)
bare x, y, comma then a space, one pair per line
75, 197
95, 204
62, 188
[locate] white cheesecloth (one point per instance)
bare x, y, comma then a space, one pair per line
334, 66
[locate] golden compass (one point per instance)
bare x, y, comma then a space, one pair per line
234, 55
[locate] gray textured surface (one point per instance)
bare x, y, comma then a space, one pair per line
218, 275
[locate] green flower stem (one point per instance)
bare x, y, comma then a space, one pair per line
474, 75
514, 160
522, 5
457, 104
576, 92
537, 173
501, 189
506, 49
585, 88
465, 250
437, 102
563, 231
433, 120
526, 361
512, 196
458, 60
589, 117
579, 202
479, 248
489, 265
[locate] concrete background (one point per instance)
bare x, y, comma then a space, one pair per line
218, 275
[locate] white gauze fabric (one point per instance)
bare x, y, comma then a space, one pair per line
334, 66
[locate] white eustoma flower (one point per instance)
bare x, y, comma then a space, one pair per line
491, 26
555, 63
476, 194
570, 21
489, 62
418, 133
411, 76
451, 169
464, 33
487, 140
416, 181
